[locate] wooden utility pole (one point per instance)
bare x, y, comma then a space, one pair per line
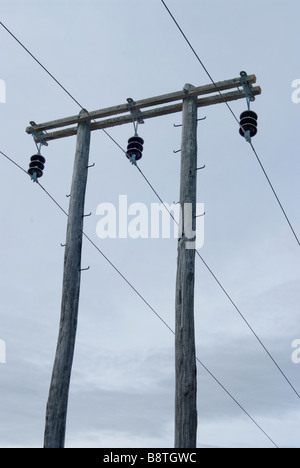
185, 349
56, 413
187, 102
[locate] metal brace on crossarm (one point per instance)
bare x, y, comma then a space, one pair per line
248, 91
38, 138
137, 115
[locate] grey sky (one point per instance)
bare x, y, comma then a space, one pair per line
122, 388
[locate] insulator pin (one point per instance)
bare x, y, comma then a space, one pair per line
248, 123
135, 148
36, 165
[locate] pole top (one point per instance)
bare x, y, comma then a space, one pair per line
83, 111
187, 87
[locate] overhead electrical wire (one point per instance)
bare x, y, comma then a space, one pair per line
120, 147
151, 186
226, 293
108, 260
40, 64
235, 117
91, 242
146, 302
13, 162
77, 102
53, 77
163, 321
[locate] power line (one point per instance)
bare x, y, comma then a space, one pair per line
56, 81
224, 291
275, 194
146, 302
165, 323
109, 261
13, 162
72, 97
248, 324
148, 182
155, 192
93, 243
199, 60
235, 117
39, 63
225, 390
210, 77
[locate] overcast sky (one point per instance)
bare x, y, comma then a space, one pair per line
122, 387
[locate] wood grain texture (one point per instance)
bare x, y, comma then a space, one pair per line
56, 412
152, 113
141, 104
185, 352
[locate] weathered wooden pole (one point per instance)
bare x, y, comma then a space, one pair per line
56, 413
186, 414
185, 352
